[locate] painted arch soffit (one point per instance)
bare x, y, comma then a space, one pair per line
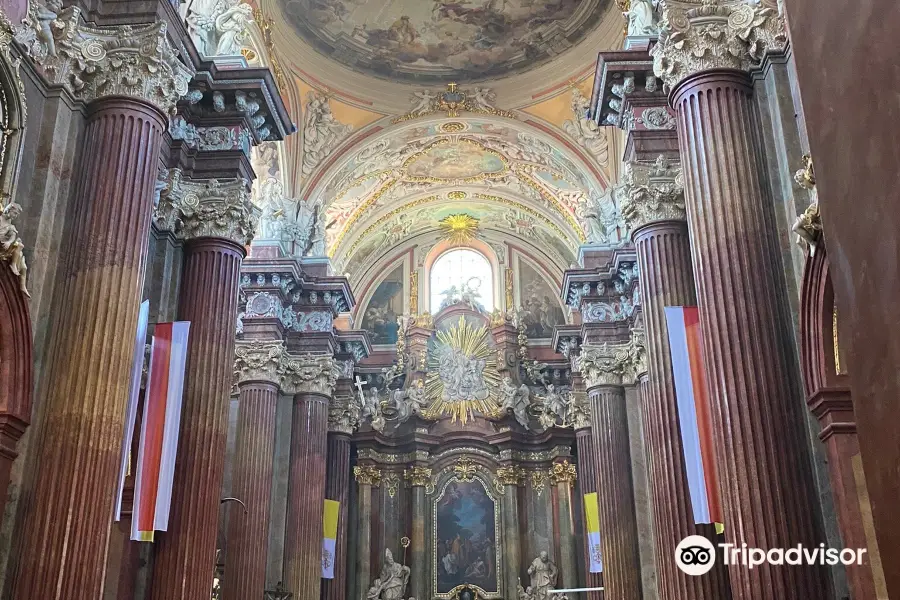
490, 156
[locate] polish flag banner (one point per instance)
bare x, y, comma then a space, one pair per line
159, 430
134, 395
694, 414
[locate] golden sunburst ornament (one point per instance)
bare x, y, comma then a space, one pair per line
459, 229
462, 374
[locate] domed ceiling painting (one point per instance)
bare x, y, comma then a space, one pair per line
439, 41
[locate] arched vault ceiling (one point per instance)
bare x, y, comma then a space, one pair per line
498, 161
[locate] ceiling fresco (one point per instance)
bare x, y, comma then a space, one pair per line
440, 41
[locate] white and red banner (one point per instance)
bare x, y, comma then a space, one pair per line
159, 430
134, 394
685, 340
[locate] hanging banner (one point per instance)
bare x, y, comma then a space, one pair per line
134, 394
592, 522
329, 540
694, 412
159, 430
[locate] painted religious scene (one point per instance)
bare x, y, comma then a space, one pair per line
466, 538
386, 304
441, 40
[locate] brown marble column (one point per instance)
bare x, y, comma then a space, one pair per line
256, 364
511, 478
587, 483
418, 477
215, 233
562, 477
66, 522
654, 208
767, 486
367, 477
602, 368
337, 487
314, 379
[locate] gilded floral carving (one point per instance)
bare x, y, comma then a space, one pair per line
563, 472
417, 476
367, 475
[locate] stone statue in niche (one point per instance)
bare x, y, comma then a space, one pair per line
516, 400
543, 573
308, 230
391, 585
643, 17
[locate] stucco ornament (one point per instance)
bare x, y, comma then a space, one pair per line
613, 364
11, 246
322, 132
652, 192
717, 34
585, 130
309, 374
94, 62
212, 208
257, 360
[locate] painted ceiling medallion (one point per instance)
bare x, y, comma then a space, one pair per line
450, 160
453, 127
459, 229
439, 41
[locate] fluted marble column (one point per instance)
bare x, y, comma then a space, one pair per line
653, 205
337, 487
587, 483
68, 510
602, 368
367, 477
562, 477
751, 371
314, 377
256, 365
418, 477
511, 478
215, 233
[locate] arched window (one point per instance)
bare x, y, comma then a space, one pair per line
461, 275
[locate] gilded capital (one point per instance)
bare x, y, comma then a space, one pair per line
417, 476
652, 192
95, 62
563, 472
715, 34
613, 364
511, 476
367, 475
308, 374
257, 360
213, 208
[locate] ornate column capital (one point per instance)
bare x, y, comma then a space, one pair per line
715, 34
95, 62
257, 360
652, 192
343, 414
580, 411
563, 472
613, 364
367, 475
308, 374
511, 476
213, 208
417, 476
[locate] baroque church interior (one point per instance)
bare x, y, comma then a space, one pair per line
449, 300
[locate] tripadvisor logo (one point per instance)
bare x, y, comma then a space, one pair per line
696, 555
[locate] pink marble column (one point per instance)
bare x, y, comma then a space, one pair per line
314, 382
766, 479
337, 487
68, 511
587, 483
657, 217
248, 529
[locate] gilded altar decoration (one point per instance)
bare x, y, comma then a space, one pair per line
459, 229
453, 101
11, 246
511, 476
508, 287
538, 481
95, 62
563, 472
465, 468
417, 476
367, 475
391, 482
266, 25
466, 535
414, 293
462, 374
